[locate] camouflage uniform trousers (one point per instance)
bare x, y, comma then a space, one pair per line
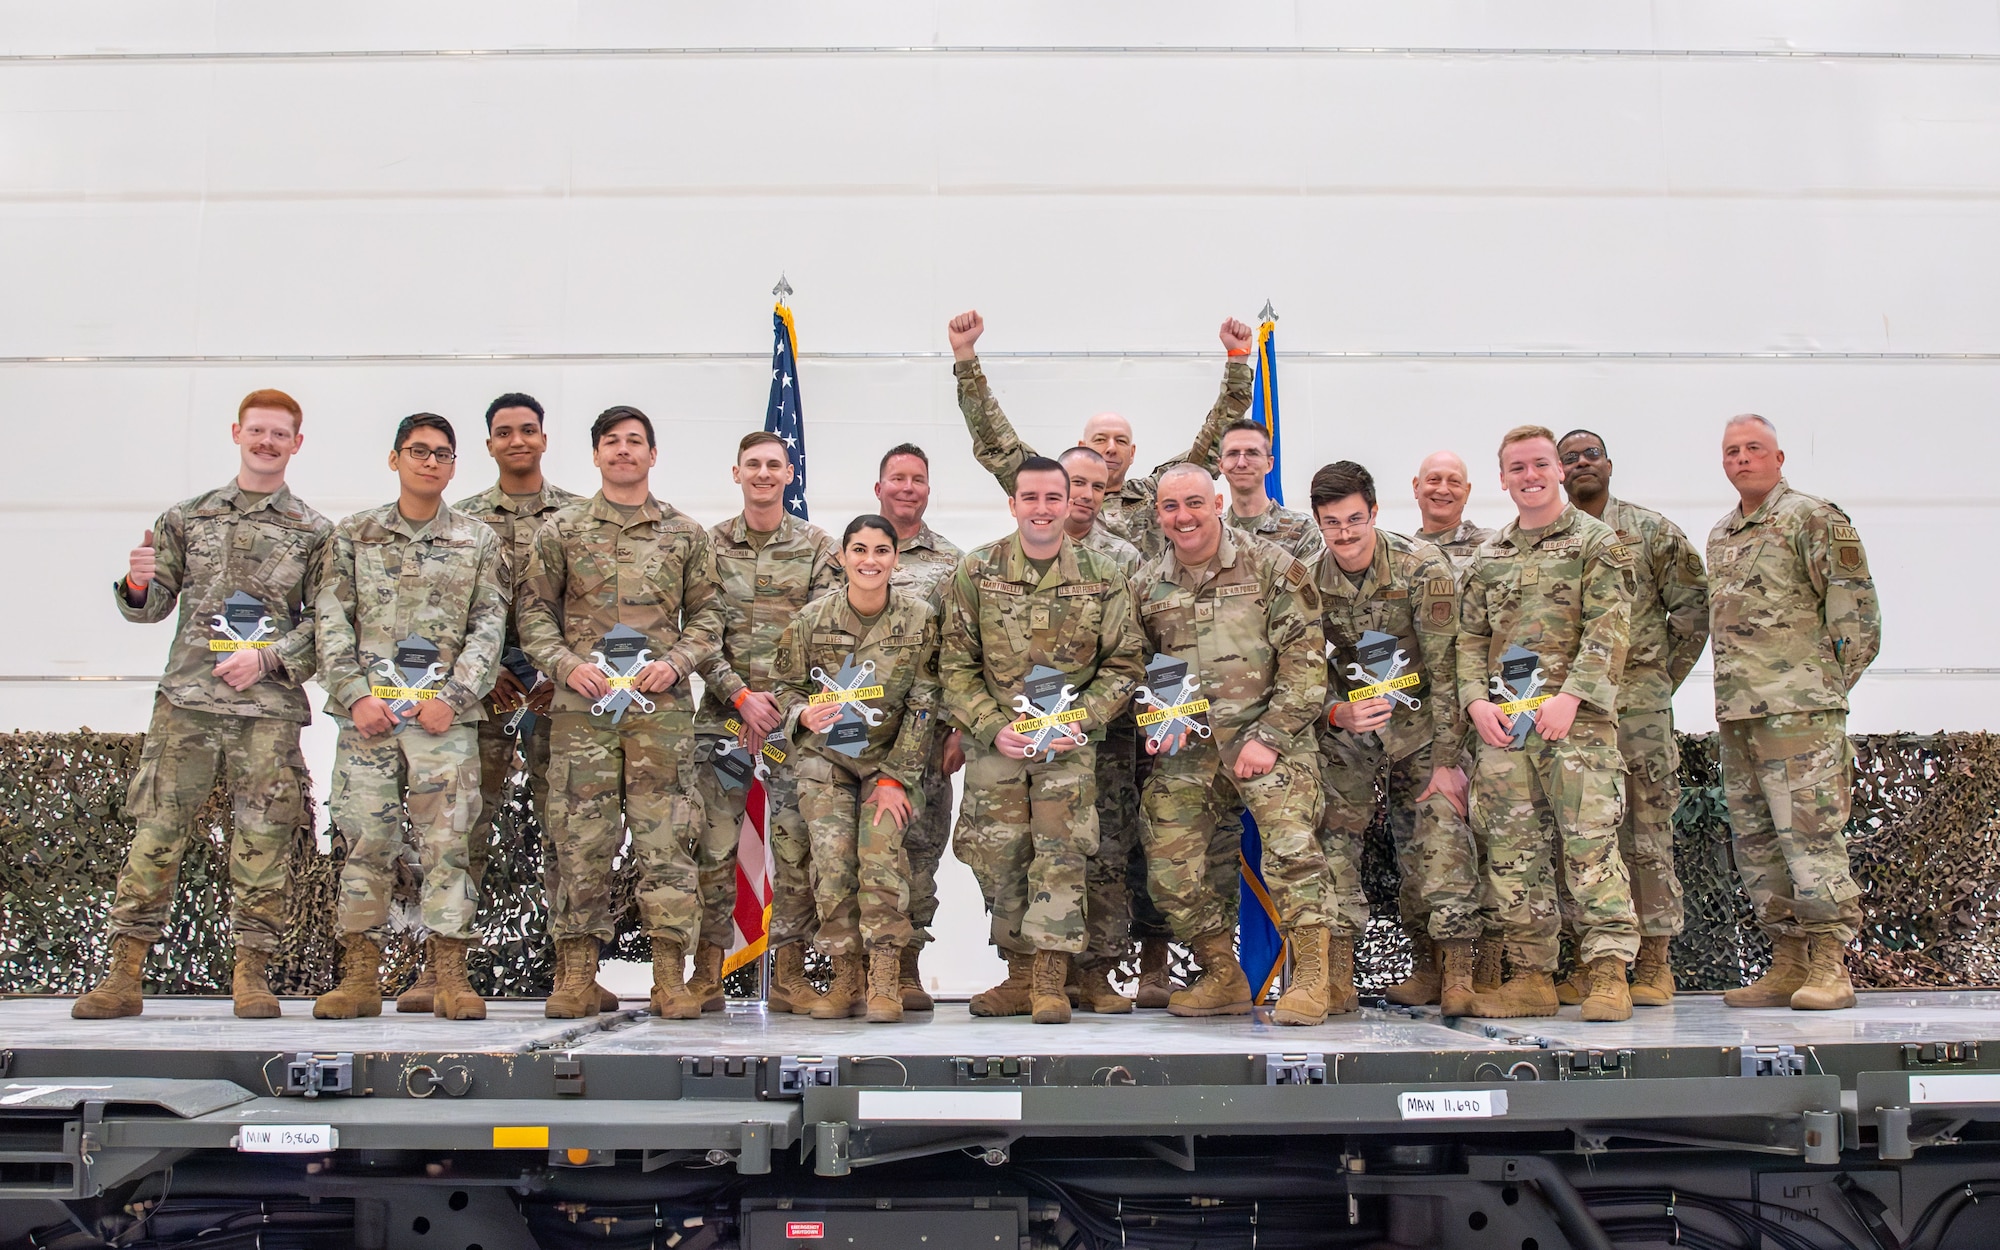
861, 878
791, 853
433, 779
1192, 840
924, 841
1027, 831
1148, 921
1435, 851
1556, 798
1107, 913
607, 781
1646, 835
1788, 781
258, 757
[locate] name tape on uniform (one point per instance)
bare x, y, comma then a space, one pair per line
1384, 687
1453, 1104
403, 692
1179, 709
846, 696
1033, 723
1524, 705
239, 644
287, 1139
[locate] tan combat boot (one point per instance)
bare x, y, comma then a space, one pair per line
1488, 963
1653, 976
1223, 990
1780, 981
360, 990
706, 983
606, 1000
1312, 990
790, 990
1046, 989
421, 996
1610, 998
1421, 986
1827, 986
1455, 961
122, 991
1156, 985
1010, 997
671, 998
574, 995
455, 998
847, 994
1530, 992
1095, 991
910, 980
885, 984
251, 988
1573, 985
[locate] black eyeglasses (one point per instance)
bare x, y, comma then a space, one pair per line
1592, 454
443, 455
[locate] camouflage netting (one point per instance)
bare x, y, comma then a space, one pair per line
1925, 841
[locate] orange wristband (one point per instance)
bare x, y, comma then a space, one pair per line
888, 781
1245, 352
741, 695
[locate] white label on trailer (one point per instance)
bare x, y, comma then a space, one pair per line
287, 1139
1958, 1087
1453, 1104
939, 1104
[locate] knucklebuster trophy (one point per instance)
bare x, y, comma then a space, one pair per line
1169, 695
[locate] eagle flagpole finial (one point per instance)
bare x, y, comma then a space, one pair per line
783, 290
1269, 313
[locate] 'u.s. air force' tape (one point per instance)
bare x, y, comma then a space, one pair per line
1033, 723
402, 692
238, 644
771, 751
1524, 705
1384, 687
1179, 709
846, 696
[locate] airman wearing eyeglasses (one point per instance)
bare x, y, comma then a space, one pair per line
1246, 462
1669, 628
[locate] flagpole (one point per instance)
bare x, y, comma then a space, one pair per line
782, 292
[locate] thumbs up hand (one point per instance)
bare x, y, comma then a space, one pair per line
139, 571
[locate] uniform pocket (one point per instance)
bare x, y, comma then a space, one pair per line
1821, 789
1590, 785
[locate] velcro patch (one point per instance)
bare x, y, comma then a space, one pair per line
1085, 588
1296, 573
1443, 587
1001, 588
1240, 588
1395, 592
1845, 534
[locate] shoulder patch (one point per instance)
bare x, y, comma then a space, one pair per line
1619, 555
1295, 573
1844, 533
1441, 587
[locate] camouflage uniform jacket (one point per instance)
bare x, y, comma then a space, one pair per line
206, 549
1248, 626
1128, 511
1669, 607
1791, 606
514, 525
925, 562
1105, 543
387, 579
903, 644
1409, 591
593, 570
1002, 619
1563, 592
1460, 546
762, 590
1295, 531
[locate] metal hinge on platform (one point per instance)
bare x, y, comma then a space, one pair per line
569, 1076
1772, 1061
1930, 1054
1304, 1069
1010, 1069
798, 1073
311, 1074
1588, 1064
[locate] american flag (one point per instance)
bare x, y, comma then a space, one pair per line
782, 416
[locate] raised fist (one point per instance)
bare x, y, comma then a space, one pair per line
142, 565
1237, 339
965, 331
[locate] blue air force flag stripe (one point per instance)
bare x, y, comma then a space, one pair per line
783, 417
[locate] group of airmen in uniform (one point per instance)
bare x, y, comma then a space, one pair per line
1523, 735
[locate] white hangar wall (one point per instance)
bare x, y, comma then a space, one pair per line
1640, 218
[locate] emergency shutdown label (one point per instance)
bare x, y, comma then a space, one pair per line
1453, 1104
287, 1139
804, 1230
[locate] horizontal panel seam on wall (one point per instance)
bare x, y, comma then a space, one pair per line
478, 358
1065, 191
1006, 50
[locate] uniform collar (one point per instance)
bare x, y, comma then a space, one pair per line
1333, 579
437, 528
1763, 513
1014, 565
1225, 557
1464, 527
1263, 522
739, 529
1565, 521
496, 496
923, 538
604, 510
233, 494
850, 620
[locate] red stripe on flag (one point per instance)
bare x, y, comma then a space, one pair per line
752, 911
